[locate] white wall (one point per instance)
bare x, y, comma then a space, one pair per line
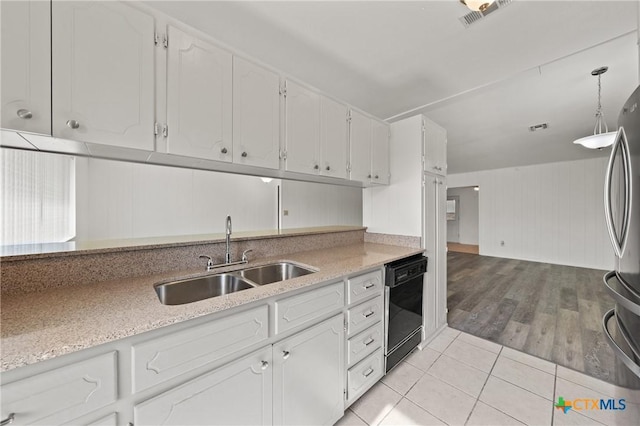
117, 200
397, 208
314, 204
468, 215
546, 213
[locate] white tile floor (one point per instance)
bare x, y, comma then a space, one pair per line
460, 379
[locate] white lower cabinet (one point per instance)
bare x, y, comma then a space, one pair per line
237, 393
63, 394
308, 371
363, 375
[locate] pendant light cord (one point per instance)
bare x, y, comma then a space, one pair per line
599, 115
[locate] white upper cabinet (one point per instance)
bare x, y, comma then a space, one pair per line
302, 134
360, 147
256, 115
379, 152
334, 135
199, 85
25, 95
103, 74
435, 147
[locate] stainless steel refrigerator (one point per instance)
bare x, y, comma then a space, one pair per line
622, 212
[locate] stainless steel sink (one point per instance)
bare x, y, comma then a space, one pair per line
190, 290
194, 289
274, 272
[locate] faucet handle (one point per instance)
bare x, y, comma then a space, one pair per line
209, 261
244, 255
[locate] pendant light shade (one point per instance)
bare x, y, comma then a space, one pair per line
477, 5
601, 137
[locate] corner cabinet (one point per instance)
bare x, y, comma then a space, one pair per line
380, 134
103, 74
369, 149
256, 115
199, 96
25, 94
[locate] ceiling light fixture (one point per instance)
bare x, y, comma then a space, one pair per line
601, 137
477, 5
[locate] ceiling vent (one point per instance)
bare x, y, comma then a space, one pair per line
473, 17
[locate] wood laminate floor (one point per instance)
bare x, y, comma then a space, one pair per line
463, 248
550, 311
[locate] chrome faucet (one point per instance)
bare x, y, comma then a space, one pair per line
227, 256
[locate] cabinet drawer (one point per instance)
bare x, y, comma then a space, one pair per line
160, 359
63, 394
307, 307
363, 286
364, 315
363, 344
364, 375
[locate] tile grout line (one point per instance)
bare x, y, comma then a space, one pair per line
475, 404
555, 391
356, 414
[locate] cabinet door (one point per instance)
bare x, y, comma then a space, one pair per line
25, 95
302, 134
430, 241
308, 376
379, 152
360, 147
199, 84
103, 73
238, 393
441, 249
256, 115
334, 138
435, 148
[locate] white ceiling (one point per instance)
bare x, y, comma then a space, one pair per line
525, 64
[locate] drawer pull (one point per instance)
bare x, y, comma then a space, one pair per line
370, 341
8, 420
368, 372
286, 354
264, 365
368, 286
368, 314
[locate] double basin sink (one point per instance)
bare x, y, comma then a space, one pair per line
181, 291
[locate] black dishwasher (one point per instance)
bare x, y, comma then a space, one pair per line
403, 307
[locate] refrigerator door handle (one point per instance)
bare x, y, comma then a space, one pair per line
619, 144
626, 359
621, 299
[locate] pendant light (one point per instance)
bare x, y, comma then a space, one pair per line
601, 137
477, 5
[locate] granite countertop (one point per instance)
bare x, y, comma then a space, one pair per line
51, 323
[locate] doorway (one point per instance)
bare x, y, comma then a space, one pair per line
463, 219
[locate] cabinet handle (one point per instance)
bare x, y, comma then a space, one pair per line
264, 365
370, 341
244, 154
73, 124
316, 167
376, 176
223, 150
25, 114
368, 176
8, 420
368, 286
368, 314
368, 372
328, 168
286, 354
